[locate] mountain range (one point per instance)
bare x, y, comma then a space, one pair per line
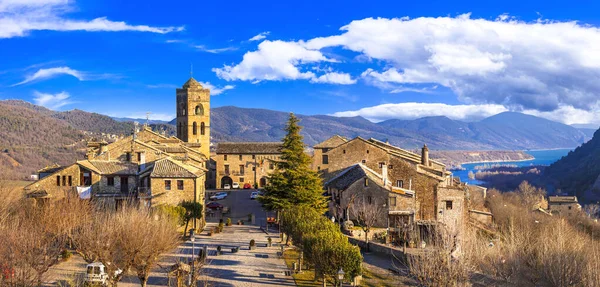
32, 136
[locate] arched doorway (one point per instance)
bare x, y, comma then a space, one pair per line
262, 182
226, 180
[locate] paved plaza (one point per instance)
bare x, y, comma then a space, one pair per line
259, 267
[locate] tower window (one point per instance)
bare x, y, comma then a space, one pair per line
202, 129
325, 159
194, 128
199, 110
449, 205
399, 183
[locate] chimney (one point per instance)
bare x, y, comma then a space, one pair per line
384, 173
425, 156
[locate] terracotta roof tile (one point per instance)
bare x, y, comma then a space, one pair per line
249, 148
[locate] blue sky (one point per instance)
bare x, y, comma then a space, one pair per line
378, 59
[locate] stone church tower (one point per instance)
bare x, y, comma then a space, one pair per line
193, 115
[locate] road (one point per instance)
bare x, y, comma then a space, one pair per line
240, 206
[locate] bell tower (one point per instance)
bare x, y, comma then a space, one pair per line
193, 115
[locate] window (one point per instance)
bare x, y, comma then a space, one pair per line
241, 169
202, 128
271, 166
58, 180
242, 180
253, 156
448, 204
381, 164
364, 161
167, 185
325, 150
318, 168
325, 159
392, 201
240, 157
225, 157
253, 168
400, 183
128, 156
70, 180
139, 157
570, 207
179, 184
226, 169
110, 181
344, 151
366, 181
199, 110
390, 166
367, 151
64, 183
194, 128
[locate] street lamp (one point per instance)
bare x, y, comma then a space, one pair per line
341, 275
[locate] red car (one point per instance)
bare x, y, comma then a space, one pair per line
247, 186
214, 205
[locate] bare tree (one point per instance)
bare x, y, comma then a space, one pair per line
592, 210
367, 211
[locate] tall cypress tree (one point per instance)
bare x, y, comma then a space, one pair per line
294, 183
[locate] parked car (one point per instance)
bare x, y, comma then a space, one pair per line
226, 186
214, 205
247, 186
219, 196
96, 275
235, 185
254, 195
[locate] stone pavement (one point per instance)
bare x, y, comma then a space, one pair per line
258, 267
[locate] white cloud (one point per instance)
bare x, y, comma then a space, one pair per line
51, 101
419, 110
273, 61
43, 74
214, 90
260, 36
19, 17
214, 51
334, 78
546, 66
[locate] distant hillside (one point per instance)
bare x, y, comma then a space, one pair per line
578, 173
32, 136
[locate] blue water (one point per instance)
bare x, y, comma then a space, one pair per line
542, 157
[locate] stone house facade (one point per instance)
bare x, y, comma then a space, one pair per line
245, 163
145, 168
563, 205
419, 193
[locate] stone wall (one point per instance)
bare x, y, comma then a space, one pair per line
264, 167
58, 190
359, 151
452, 209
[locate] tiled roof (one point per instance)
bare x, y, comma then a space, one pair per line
359, 171
331, 142
110, 167
170, 168
50, 169
171, 149
192, 83
562, 199
249, 148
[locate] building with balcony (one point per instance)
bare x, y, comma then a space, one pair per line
245, 163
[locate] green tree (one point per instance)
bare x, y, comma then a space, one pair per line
193, 210
294, 183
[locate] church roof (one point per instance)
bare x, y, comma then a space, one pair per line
191, 83
249, 148
173, 169
331, 142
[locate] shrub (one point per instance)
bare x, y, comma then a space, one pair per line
66, 255
228, 222
176, 213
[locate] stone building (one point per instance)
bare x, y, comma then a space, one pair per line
145, 168
563, 205
245, 162
418, 192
